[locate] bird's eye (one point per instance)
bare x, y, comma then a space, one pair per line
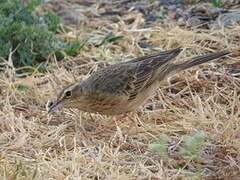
68, 94
50, 104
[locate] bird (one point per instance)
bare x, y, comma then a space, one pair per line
126, 86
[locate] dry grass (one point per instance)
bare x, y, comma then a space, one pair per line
203, 99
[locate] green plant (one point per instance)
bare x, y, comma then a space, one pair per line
190, 150
216, 3
161, 146
192, 146
110, 37
73, 48
31, 38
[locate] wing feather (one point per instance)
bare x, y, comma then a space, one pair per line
130, 78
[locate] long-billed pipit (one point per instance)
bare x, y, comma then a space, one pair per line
124, 87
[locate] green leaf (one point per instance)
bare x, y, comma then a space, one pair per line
110, 37
161, 147
22, 88
73, 48
34, 173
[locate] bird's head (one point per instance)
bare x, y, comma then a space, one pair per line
68, 97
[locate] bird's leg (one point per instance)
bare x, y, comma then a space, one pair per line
133, 116
135, 119
91, 117
120, 117
115, 120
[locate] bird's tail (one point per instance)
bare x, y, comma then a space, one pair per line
174, 68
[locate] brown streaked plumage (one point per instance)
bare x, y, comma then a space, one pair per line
124, 87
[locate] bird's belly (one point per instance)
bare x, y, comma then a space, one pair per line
132, 105
113, 107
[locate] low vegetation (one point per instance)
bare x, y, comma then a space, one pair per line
31, 38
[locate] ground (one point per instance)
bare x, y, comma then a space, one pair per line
194, 118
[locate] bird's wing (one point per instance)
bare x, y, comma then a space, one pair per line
129, 78
160, 56
124, 81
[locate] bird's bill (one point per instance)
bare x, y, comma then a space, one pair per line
53, 107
